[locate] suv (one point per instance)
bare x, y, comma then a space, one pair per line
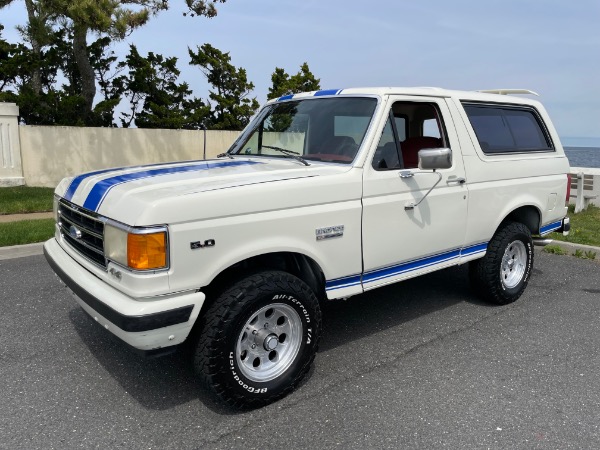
323, 196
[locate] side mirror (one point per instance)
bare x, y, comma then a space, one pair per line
435, 158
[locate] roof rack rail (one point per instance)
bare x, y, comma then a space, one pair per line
509, 91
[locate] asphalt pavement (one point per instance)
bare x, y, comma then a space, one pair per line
421, 364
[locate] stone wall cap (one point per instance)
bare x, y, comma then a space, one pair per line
9, 109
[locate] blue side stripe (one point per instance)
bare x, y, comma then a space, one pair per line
343, 282
409, 266
101, 189
474, 249
550, 227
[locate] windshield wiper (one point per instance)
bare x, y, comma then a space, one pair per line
221, 155
290, 153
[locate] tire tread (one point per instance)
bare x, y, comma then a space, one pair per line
483, 272
222, 311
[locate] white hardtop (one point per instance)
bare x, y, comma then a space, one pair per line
490, 95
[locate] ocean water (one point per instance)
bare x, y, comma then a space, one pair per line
583, 156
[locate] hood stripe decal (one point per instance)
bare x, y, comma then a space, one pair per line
75, 182
101, 189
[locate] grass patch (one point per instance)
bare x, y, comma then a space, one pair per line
555, 250
584, 255
585, 227
25, 199
26, 232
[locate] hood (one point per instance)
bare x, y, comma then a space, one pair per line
125, 194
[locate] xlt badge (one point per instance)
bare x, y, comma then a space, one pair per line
329, 232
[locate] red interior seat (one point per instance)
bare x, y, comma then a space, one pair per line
411, 146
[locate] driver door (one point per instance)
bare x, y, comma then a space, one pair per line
400, 243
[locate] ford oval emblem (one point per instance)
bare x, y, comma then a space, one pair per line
74, 232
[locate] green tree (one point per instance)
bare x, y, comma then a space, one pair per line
284, 84
114, 18
43, 102
14, 64
232, 108
36, 33
158, 100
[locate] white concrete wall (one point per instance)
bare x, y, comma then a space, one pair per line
52, 153
11, 173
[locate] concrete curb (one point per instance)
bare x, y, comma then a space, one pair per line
21, 251
6, 218
570, 247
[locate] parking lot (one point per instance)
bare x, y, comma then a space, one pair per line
422, 364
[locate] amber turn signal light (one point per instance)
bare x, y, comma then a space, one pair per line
147, 251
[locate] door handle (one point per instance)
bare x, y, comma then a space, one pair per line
458, 180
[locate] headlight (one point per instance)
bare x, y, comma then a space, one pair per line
143, 249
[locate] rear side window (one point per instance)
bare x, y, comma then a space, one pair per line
508, 129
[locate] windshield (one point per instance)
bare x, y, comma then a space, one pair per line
327, 129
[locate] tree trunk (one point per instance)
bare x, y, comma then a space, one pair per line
82, 58
36, 76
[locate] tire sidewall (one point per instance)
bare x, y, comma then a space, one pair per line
507, 292
234, 377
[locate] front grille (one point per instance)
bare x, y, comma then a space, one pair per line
83, 230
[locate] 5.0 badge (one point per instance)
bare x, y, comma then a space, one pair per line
199, 244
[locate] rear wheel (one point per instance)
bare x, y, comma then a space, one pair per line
502, 274
258, 339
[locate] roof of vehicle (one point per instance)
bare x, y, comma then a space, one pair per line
491, 95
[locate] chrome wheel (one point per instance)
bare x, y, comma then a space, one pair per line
269, 342
513, 264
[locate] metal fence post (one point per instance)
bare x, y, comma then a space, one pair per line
580, 201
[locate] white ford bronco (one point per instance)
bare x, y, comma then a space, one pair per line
324, 195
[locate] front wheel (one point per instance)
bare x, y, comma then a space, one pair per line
258, 339
502, 274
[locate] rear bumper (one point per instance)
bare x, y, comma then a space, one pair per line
145, 324
566, 226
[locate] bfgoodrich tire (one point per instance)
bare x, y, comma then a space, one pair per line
258, 339
502, 275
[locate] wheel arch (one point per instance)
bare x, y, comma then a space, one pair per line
297, 264
528, 215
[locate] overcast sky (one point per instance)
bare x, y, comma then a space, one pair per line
549, 46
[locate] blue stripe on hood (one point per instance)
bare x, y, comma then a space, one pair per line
101, 189
75, 182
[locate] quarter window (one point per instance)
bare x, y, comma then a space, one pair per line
508, 129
